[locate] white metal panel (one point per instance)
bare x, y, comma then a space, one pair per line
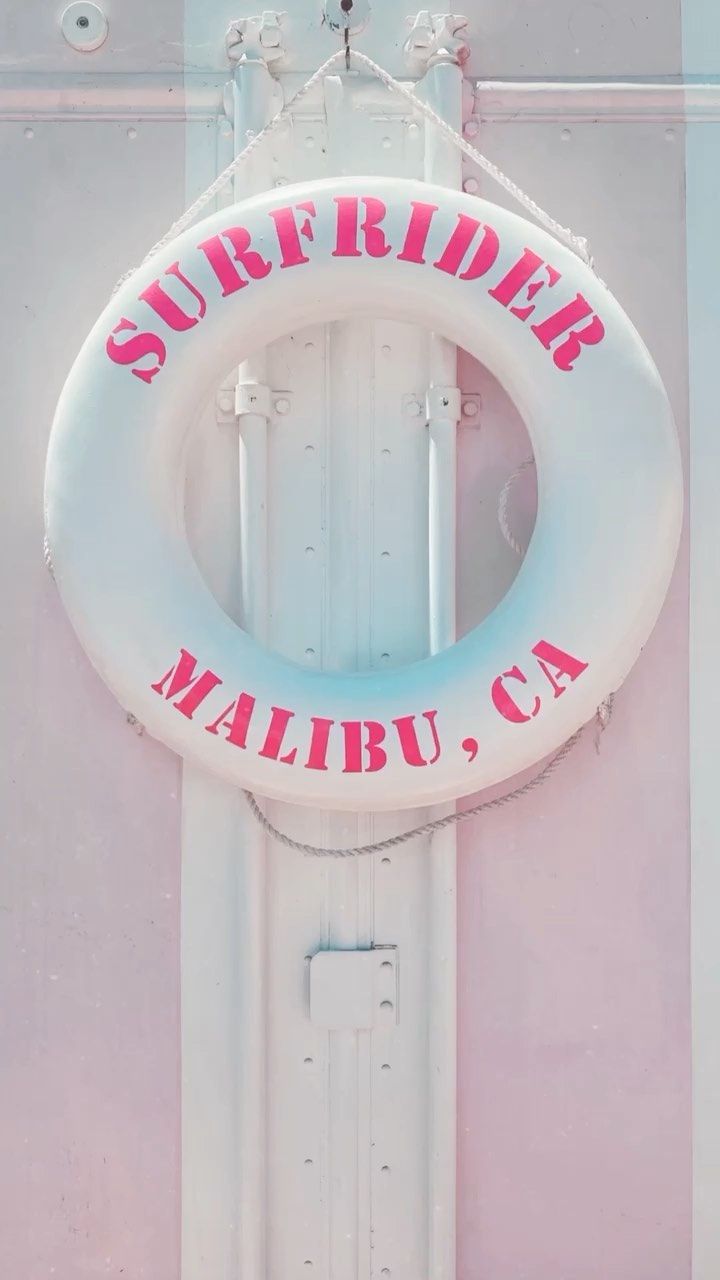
329, 1135
701, 35
95, 1048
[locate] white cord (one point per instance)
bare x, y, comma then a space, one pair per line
578, 244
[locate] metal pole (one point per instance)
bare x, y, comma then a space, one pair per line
442, 86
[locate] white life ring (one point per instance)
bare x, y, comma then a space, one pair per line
586, 596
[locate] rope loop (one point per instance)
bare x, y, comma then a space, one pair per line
578, 244
453, 819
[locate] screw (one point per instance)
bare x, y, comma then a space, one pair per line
83, 22
471, 185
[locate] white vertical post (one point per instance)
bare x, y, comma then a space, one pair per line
443, 90
253, 89
701, 32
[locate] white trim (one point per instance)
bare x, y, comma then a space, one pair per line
703, 260
135, 98
701, 38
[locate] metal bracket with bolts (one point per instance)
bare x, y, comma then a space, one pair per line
437, 38
257, 39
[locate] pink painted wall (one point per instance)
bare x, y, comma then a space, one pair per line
89, 1035
574, 1124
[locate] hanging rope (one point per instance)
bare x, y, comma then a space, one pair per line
602, 720
437, 824
578, 244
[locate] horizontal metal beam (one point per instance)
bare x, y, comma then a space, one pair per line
138, 96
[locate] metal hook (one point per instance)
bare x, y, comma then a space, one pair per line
346, 6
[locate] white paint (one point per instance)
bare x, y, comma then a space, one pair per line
442, 88
111, 497
348, 1143
701, 32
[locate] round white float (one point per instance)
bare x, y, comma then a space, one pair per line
589, 589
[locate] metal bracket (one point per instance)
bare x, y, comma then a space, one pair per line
257, 39
443, 402
252, 397
354, 990
436, 38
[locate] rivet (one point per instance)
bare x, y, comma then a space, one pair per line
281, 182
132, 133
309, 653
308, 1162
282, 406
413, 408
386, 1004
309, 346
384, 657
565, 135
386, 350
669, 135
471, 185
472, 128
387, 143
309, 551
29, 133
385, 1169
384, 555
226, 402
385, 1066
386, 862
386, 964
308, 1062
470, 408
386, 453
309, 448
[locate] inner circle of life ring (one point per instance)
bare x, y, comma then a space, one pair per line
587, 594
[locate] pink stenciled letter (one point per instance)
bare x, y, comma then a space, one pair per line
288, 233
564, 663
506, 704
354, 746
376, 246
223, 265
589, 335
182, 676
132, 350
407, 733
167, 308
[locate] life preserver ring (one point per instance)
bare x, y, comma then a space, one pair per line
589, 589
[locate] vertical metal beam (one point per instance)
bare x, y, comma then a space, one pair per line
442, 88
253, 91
